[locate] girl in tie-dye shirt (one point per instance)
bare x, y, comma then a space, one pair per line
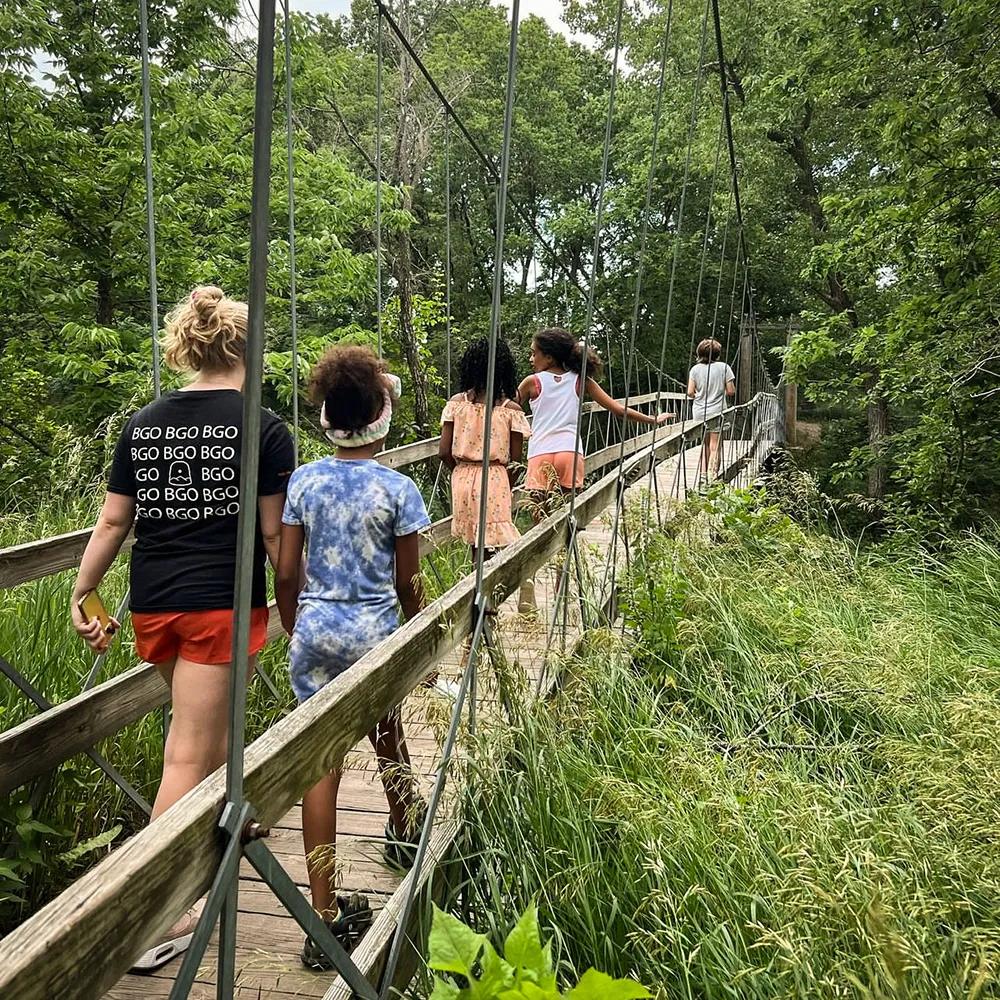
358, 522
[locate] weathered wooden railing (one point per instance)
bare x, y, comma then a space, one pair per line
104, 919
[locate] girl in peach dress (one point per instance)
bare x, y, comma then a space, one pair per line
463, 433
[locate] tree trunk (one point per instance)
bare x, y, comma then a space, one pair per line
105, 300
878, 434
402, 265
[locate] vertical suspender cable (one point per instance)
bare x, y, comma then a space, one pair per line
399, 939
289, 142
640, 271
692, 126
147, 141
704, 242
497, 301
722, 265
697, 306
730, 143
598, 227
378, 180
447, 250
249, 459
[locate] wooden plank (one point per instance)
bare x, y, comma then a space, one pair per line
44, 741
156, 875
33, 560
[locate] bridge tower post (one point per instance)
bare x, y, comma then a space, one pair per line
744, 372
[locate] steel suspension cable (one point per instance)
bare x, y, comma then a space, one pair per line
697, 309
481, 599
692, 128
722, 264
731, 145
249, 461
290, 152
154, 308
447, 251
732, 300
598, 227
640, 273
379, 69
147, 144
704, 242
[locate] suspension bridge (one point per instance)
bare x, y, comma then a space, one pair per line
236, 836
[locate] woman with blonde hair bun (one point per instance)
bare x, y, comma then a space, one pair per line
176, 477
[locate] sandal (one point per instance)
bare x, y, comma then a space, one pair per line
400, 852
355, 917
178, 942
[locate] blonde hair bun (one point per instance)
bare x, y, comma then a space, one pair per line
207, 330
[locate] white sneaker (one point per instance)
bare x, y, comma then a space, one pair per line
447, 688
176, 941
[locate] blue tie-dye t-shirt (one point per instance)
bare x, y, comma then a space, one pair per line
352, 512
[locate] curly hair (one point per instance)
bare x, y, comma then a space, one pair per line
565, 350
208, 330
348, 381
475, 362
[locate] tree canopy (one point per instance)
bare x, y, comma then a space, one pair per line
867, 144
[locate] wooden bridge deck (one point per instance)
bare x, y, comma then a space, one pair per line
269, 940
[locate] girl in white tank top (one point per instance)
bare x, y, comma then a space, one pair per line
555, 458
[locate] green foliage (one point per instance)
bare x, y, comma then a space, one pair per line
523, 972
784, 777
866, 142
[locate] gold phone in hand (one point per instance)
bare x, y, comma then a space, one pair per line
91, 606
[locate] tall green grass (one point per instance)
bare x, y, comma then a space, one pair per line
782, 783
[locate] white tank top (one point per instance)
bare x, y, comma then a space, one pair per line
554, 410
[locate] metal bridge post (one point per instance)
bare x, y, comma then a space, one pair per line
744, 372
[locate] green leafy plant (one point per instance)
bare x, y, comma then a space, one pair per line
523, 972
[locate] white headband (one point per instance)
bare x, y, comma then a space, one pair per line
374, 431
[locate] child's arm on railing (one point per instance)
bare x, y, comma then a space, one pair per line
599, 396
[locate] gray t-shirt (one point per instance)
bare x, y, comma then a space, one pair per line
710, 383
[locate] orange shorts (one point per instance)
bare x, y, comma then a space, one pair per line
544, 471
198, 636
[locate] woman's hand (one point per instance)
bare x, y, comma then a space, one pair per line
664, 418
91, 631
113, 525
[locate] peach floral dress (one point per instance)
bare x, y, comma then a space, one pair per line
469, 421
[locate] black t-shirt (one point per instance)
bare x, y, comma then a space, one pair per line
180, 458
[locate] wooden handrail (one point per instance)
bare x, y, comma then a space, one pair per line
43, 742
137, 892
